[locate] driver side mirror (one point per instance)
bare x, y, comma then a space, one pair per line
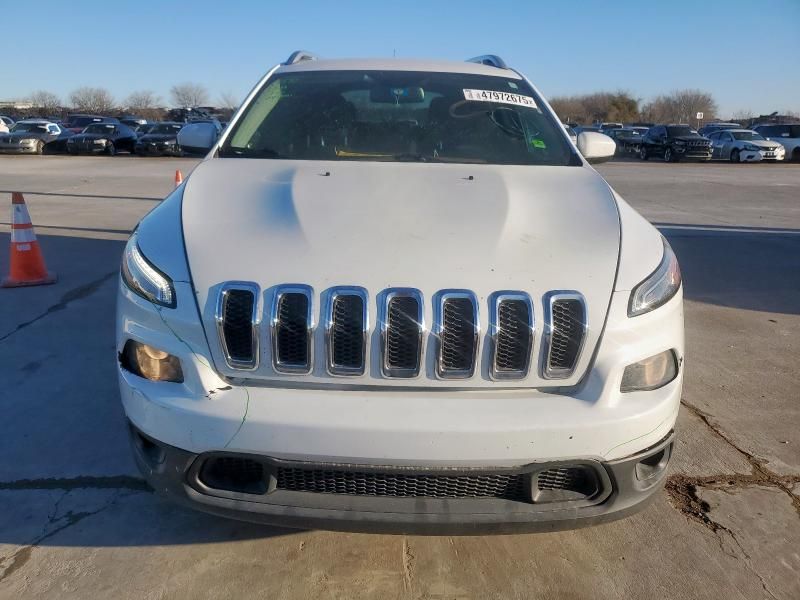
596, 147
198, 137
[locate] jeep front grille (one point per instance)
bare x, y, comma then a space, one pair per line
237, 323
456, 329
291, 327
402, 328
512, 334
565, 333
346, 329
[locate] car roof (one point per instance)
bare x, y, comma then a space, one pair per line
37, 122
391, 64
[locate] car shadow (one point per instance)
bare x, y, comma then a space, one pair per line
751, 268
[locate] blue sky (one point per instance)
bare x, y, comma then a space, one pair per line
745, 53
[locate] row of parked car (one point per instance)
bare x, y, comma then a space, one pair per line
724, 141
95, 134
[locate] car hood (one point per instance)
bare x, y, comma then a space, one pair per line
692, 138
483, 228
759, 143
21, 135
158, 137
86, 137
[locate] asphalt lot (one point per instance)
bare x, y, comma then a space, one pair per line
76, 520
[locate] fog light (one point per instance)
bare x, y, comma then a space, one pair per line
650, 373
151, 363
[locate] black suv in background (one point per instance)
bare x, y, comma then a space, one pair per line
673, 143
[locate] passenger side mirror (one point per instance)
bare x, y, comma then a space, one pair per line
596, 147
198, 137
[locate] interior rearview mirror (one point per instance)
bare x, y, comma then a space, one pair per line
596, 147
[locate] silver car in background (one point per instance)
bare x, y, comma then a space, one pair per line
744, 145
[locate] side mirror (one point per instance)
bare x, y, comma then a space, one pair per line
198, 137
596, 147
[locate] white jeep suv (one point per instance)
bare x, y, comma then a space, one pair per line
395, 297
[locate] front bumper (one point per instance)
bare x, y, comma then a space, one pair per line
761, 155
17, 149
149, 149
693, 152
84, 148
624, 486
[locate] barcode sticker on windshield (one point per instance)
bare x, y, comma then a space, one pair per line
501, 97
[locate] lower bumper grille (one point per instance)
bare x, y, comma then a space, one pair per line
261, 476
401, 485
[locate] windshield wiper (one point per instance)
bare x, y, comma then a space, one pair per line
231, 152
409, 157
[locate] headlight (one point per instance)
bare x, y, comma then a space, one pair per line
651, 373
169, 142
101, 142
151, 363
659, 287
751, 148
145, 279
27, 141
680, 143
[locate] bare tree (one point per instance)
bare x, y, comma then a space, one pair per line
93, 100
142, 100
228, 100
187, 95
618, 106
681, 106
146, 104
46, 103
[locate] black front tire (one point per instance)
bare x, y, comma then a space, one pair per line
643, 155
110, 149
668, 156
40, 147
735, 156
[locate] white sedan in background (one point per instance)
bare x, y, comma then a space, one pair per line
744, 145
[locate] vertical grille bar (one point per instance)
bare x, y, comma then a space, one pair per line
237, 319
291, 328
346, 327
564, 334
512, 327
456, 326
402, 332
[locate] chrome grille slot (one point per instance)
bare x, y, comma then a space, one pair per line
565, 334
346, 329
292, 325
512, 330
402, 328
237, 320
456, 328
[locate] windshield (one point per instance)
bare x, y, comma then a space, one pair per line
162, 129
99, 128
82, 121
398, 116
29, 127
680, 130
746, 135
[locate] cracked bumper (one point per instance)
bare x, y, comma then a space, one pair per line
627, 489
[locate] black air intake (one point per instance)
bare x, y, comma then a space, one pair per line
402, 329
291, 329
566, 332
512, 334
346, 331
457, 333
236, 318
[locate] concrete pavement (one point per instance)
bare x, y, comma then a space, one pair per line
76, 520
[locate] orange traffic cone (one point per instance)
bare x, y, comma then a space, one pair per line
27, 263
178, 178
